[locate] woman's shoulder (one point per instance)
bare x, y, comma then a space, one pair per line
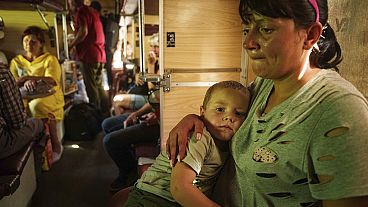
48, 56
19, 59
333, 84
327, 89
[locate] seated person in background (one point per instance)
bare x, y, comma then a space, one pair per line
34, 66
16, 131
134, 99
190, 182
121, 132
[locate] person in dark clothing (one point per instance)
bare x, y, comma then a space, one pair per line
16, 130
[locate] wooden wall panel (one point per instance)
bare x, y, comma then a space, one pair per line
205, 77
15, 23
208, 33
349, 19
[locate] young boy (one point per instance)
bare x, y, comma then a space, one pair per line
190, 182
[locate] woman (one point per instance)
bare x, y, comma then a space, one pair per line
30, 68
303, 142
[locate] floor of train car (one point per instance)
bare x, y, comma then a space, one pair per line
80, 179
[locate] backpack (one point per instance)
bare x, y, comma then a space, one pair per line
82, 122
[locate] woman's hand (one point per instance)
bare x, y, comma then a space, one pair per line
138, 81
131, 119
30, 85
178, 137
150, 119
152, 57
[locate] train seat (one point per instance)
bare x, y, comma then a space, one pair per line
146, 154
18, 178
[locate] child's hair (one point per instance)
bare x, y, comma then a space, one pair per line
223, 84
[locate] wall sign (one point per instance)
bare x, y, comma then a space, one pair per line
170, 39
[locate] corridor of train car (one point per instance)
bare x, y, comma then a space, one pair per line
83, 175
200, 44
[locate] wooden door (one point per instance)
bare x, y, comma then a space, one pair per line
207, 49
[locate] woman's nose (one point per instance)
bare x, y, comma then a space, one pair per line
250, 40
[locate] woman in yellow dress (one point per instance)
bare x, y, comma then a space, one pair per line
30, 68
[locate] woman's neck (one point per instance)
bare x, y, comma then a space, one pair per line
286, 87
33, 56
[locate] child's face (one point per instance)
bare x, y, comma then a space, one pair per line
225, 112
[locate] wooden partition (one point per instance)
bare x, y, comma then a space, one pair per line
349, 19
207, 49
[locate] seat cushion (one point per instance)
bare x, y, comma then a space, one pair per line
14, 164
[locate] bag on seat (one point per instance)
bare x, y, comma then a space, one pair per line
82, 122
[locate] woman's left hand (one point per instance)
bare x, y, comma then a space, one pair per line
132, 119
150, 118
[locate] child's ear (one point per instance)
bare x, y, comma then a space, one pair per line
313, 34
201, 111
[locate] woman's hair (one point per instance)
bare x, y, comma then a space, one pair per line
303, 14
220, 85
36, 31
154, 40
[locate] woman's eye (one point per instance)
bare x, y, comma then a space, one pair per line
266, 30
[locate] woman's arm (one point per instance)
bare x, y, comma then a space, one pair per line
178, 137
80, 35
183, 190
132, 118
30, 82
48, 80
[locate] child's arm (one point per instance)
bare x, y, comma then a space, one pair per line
183, 190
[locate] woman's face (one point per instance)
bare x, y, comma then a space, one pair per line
274, 45
156, 50
32, 45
